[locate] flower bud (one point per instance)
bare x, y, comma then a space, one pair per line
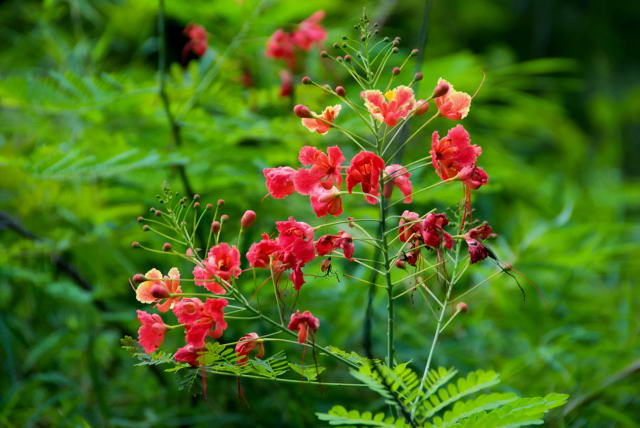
159, 291
247, 219
215, 227
422, 107
347, 58
166, 247
441, 89
462, 307
306, 80
196, 204
196, 196
189, 252
400, 264
135, 244
220, 202
339, 58
335, 45
209, 206
395, 50
414, 52
302, 111
145, 227
395, 42
340, 91
395, 71
418, 76
324, 54
138, 278
140, 219
224, 217
158, 213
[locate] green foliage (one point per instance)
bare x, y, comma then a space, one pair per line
399, 387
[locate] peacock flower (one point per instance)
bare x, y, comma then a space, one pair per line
398, 176
327, 243
433, 233
281, 46
247, 344
188, 354
365, 169
197, 41
156, 287
454, 153
303, 323
151, 331
325, 168
453, 104
309, 31
259, 254
409, 226
477, 250
201, 320
326, 201
390, 107
279, 181
321, 123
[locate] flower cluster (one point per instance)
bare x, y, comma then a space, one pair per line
198, 41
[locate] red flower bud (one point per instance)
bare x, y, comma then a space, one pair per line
224, 217
418, 76
302, 111
422, 107
347, 58
395, 71
414, 52
247, 219
138, 278
340, 91
135, 244
158, 213
209, 206
441, 89
220, 202
159, 291
196, 204
462, 307
306, 80
196, 196
400, 264
215, 227
166, 247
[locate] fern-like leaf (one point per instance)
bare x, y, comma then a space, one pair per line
338, 415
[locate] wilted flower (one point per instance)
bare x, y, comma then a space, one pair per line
303, 323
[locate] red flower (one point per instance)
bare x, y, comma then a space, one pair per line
223, 262
328, 243
209, 321
188, 310
281, 46
197, 41
365, 169
280, 181
454, 153
475, 178
319, 121
399, 177
309, 31
188, 354
477, 251
409, 226
326, 201
296, 238
247, 344
390, 107
259, 254
453, 104
286, 85
151, 331
303, 322
158, 287
325, 168
433, 233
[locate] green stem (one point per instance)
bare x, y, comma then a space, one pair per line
276, 379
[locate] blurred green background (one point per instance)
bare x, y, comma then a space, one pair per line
85, 147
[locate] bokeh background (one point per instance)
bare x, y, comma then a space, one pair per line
85, 147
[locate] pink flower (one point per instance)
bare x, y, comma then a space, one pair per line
281, 46
197, 41
390, 107
188, 310
222, 262
327, 243
188, 354
319, 121
151, 331
158, 287
247, 344
280, 181
286, 85
325, 168
409, 226
259, 254
303, 323
399, 178
433, 233
477, 251
309, 31
474, 177
365, 169
453, 104
296, 238
454, 153
326, 201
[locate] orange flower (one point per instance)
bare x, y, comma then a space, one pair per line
321, 126
156, 287
453, 104
390, 107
